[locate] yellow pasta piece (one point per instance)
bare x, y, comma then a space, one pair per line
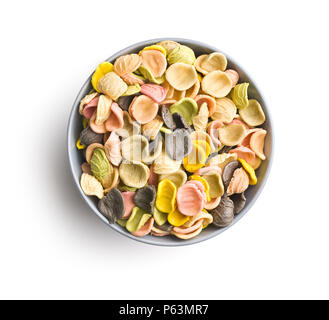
102, 69
250, 171
176, 218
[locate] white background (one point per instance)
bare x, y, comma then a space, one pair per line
52, 246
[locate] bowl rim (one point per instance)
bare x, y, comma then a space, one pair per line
193, 240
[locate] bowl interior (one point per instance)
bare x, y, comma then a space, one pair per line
76, 157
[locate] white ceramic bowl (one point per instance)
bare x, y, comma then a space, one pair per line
76, 158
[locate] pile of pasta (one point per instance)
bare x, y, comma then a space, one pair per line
171, 141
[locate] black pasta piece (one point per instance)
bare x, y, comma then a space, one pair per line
224, 214
112, 205
145, 197
87, 137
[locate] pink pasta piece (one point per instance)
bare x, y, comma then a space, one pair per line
145, 229
233, 75
205, 170
128, 197
131, 79
155, 61
94, 127
112, 149
90, 108
201, 188
190, 201
153, 179
244, 153
246, 140
214, 132
143, 109
115, 120
154, 91
210, 101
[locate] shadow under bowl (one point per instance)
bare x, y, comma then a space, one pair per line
252, 193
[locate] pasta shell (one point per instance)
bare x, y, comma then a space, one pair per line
239, 201
91, 186
148, 75
187, 108
257, 143
178, 178
166, 196
193, 91
133, 147
225, 110
152, 128
134, 174
145, 197
168, 45
143, 109
240, 95
217, 84
94, 127
112, 85
199, 62
137, 219
145, 229
132, 90
201, 120
87, 137
253, 114
128, 197
102, 69
115, 120
90, 150
176, 218
221, 160
154, 91
210, 101
167, 118
112, 149
232, 135
239, 182
155, 61
172, 95
250, 171
190, 200
129, 128
159, 217
233, 75
165, 165
103, 109
212, 62
244, 153
86, 100
196, 159
216, 187
213, 130
223, 215
112, 206
212, 204
181, 76
181, 54
127, 64
229, 171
